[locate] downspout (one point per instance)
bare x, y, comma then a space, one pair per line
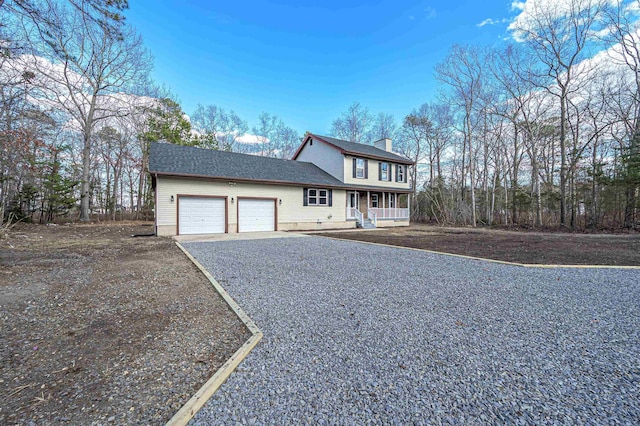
155, 202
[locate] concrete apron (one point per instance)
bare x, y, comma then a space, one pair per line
236, 236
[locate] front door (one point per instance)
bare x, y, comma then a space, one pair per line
352, 203
362, 201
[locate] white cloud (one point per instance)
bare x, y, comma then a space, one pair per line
430, 13
530, 11
250, 139
490, 21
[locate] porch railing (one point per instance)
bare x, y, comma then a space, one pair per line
390, 213
373, 216
353, 213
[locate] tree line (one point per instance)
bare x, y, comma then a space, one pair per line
542, 131
79, 109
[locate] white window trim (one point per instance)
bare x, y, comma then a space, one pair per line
374, 199
317, 197
401, 173
384, 174
358, 168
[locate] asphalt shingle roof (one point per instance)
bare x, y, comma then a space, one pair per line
364, 150
172, 159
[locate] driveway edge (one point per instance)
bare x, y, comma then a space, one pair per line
191, 407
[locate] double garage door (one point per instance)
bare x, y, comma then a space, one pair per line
206, 215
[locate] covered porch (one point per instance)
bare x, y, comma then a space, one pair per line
374, 206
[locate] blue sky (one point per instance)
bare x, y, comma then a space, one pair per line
306, 62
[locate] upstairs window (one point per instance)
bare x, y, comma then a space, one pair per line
401, 173
384, 171
360, 168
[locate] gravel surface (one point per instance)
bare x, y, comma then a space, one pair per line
358, 334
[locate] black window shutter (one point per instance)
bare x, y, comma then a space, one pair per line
366, 169
379, 171
389, 177
397, 167
305, 193
330, 198
354, 167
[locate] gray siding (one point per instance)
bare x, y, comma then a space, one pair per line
324, 156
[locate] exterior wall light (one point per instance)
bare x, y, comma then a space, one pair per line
280, 202
231, 200
172, 199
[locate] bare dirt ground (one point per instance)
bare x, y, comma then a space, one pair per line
512, 246
99, 327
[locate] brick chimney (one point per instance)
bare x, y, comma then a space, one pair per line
384, 144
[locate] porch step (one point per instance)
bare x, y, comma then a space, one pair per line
368, 224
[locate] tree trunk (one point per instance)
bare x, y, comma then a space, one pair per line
563, 159
514, 178
471, 176
85, 196
86, 168
536, 178
594, 187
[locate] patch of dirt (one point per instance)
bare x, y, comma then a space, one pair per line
100, 327
512, 246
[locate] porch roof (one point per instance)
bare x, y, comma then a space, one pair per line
372, 188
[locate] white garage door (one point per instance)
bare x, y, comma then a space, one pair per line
201, 215
256, 215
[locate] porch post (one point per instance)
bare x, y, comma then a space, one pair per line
383, 208
408, 207
368, 202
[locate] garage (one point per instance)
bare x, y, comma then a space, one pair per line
202, 215
256, 214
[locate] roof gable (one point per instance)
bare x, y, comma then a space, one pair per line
169, 159
356, 149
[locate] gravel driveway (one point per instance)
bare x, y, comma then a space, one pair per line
357, 333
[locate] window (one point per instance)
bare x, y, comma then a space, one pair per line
385, 169
400, 173
322, 197
392, 200
359, 168
317, 197
313, 197
374, 201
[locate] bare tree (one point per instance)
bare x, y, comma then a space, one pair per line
383, 126
560, 33
353, 125
219, 129
623, 24
416, 131
105, 13
87, 71
462, 72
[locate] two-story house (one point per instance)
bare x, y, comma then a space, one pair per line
329, 184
